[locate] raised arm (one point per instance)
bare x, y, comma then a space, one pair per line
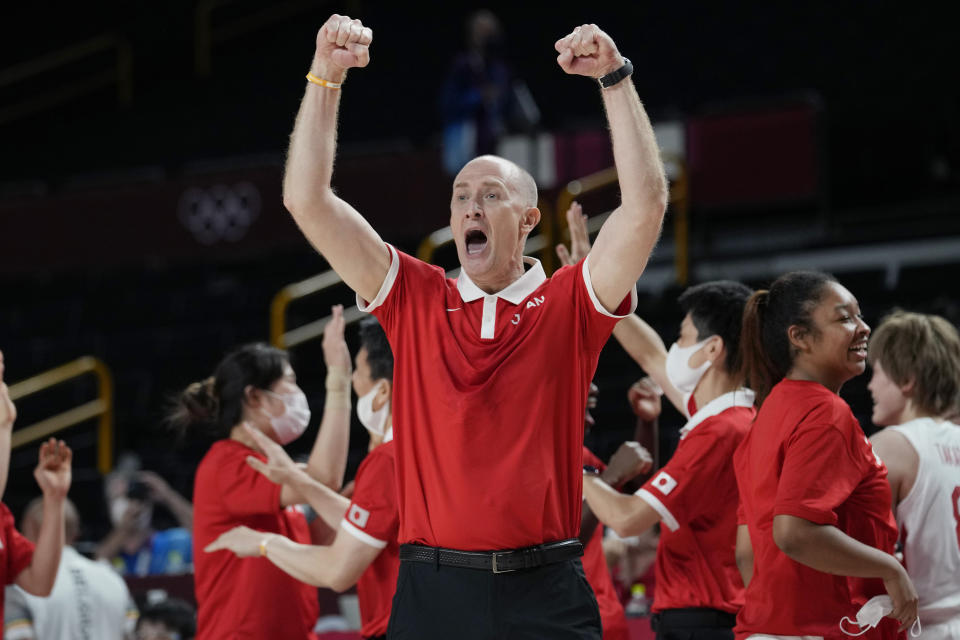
8, 415
628, 236
53, 474
328, 459
336, 229
637, 338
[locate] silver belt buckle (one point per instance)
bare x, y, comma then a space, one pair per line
498, 570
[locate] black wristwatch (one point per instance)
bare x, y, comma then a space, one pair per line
590, 470
614, 77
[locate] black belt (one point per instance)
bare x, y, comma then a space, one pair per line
495, 561
693, 617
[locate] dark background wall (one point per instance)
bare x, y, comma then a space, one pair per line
93, 259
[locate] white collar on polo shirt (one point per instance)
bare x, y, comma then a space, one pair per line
514, 293
742, 397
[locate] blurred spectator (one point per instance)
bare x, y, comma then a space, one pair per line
481, 96
88, 600
168, 619
134, 547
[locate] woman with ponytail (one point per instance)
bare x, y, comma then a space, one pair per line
254, 389
816, 533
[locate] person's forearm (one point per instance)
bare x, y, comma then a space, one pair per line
329, 505
625, 514
826, 548
743, 554
328, 459
315, 565
643, 183
38, 578
313, 143
5, 435
180, 507
642, 343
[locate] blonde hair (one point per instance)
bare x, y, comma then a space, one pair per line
924, 350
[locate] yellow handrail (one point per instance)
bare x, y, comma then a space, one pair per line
205, 34
65, 91
102, 406
678, 198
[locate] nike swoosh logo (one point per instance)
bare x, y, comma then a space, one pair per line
457, 309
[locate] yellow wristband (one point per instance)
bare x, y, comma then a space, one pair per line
263, 546
324, 83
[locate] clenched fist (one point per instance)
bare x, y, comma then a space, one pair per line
342, 43
588, 51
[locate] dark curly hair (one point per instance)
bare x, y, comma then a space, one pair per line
215, 405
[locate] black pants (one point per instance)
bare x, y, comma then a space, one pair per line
553, 601
693, 624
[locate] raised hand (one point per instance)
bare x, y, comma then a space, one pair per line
8, 412
579, 237
588, 51
342, 43
53, 472
243, 541
279, 467
336, 355
644, 398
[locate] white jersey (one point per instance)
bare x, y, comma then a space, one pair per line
929, 519
89, 600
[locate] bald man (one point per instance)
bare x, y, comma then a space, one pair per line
491, 369
89, 599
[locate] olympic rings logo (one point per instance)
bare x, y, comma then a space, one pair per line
219, 213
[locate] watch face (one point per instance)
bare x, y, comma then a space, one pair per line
588, 468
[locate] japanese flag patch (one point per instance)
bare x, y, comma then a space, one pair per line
359, 516
664, 483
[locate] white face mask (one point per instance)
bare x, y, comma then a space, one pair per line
679, 372
870, 615
290, 424
374, 421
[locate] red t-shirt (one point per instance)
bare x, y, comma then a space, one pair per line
806, 456
373, 518
245, 597
489, 395
16, 552
696, 496
595, 567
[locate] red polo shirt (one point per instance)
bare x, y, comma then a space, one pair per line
16, 552
806, 456
489, 395
696, 496
595, 567
373, 519
245, 597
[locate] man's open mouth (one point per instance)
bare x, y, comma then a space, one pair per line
476, 241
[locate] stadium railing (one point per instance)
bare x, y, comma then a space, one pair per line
100, 407
76, 84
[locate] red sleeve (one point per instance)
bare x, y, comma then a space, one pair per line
242, 490
373, 516
676, 491
596, 322
818, 474
408, 280
17, 551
